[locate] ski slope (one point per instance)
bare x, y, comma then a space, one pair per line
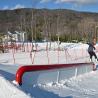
83, 86
8, 90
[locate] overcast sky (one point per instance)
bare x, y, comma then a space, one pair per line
79, 5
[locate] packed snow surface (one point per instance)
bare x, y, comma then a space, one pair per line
8, 90
83, 86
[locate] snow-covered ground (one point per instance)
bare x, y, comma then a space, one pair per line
83, 86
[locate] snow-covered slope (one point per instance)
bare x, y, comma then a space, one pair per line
84, 86
8, 90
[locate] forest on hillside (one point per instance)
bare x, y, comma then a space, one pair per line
69, 25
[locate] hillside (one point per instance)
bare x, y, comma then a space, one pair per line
47, 23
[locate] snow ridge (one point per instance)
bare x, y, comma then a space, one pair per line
9, 90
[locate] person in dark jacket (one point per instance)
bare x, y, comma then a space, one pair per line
91, 52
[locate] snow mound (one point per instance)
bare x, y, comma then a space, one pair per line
8, 90
84, 86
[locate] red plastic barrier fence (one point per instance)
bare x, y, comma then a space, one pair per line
31, 68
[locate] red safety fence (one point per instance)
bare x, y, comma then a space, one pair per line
10, 46
31, 68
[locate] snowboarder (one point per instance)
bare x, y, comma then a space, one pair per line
91, 49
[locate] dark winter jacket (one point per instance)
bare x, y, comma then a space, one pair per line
91, 47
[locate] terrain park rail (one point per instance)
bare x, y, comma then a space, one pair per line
31, 68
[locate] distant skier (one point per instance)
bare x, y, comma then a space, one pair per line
91, 49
